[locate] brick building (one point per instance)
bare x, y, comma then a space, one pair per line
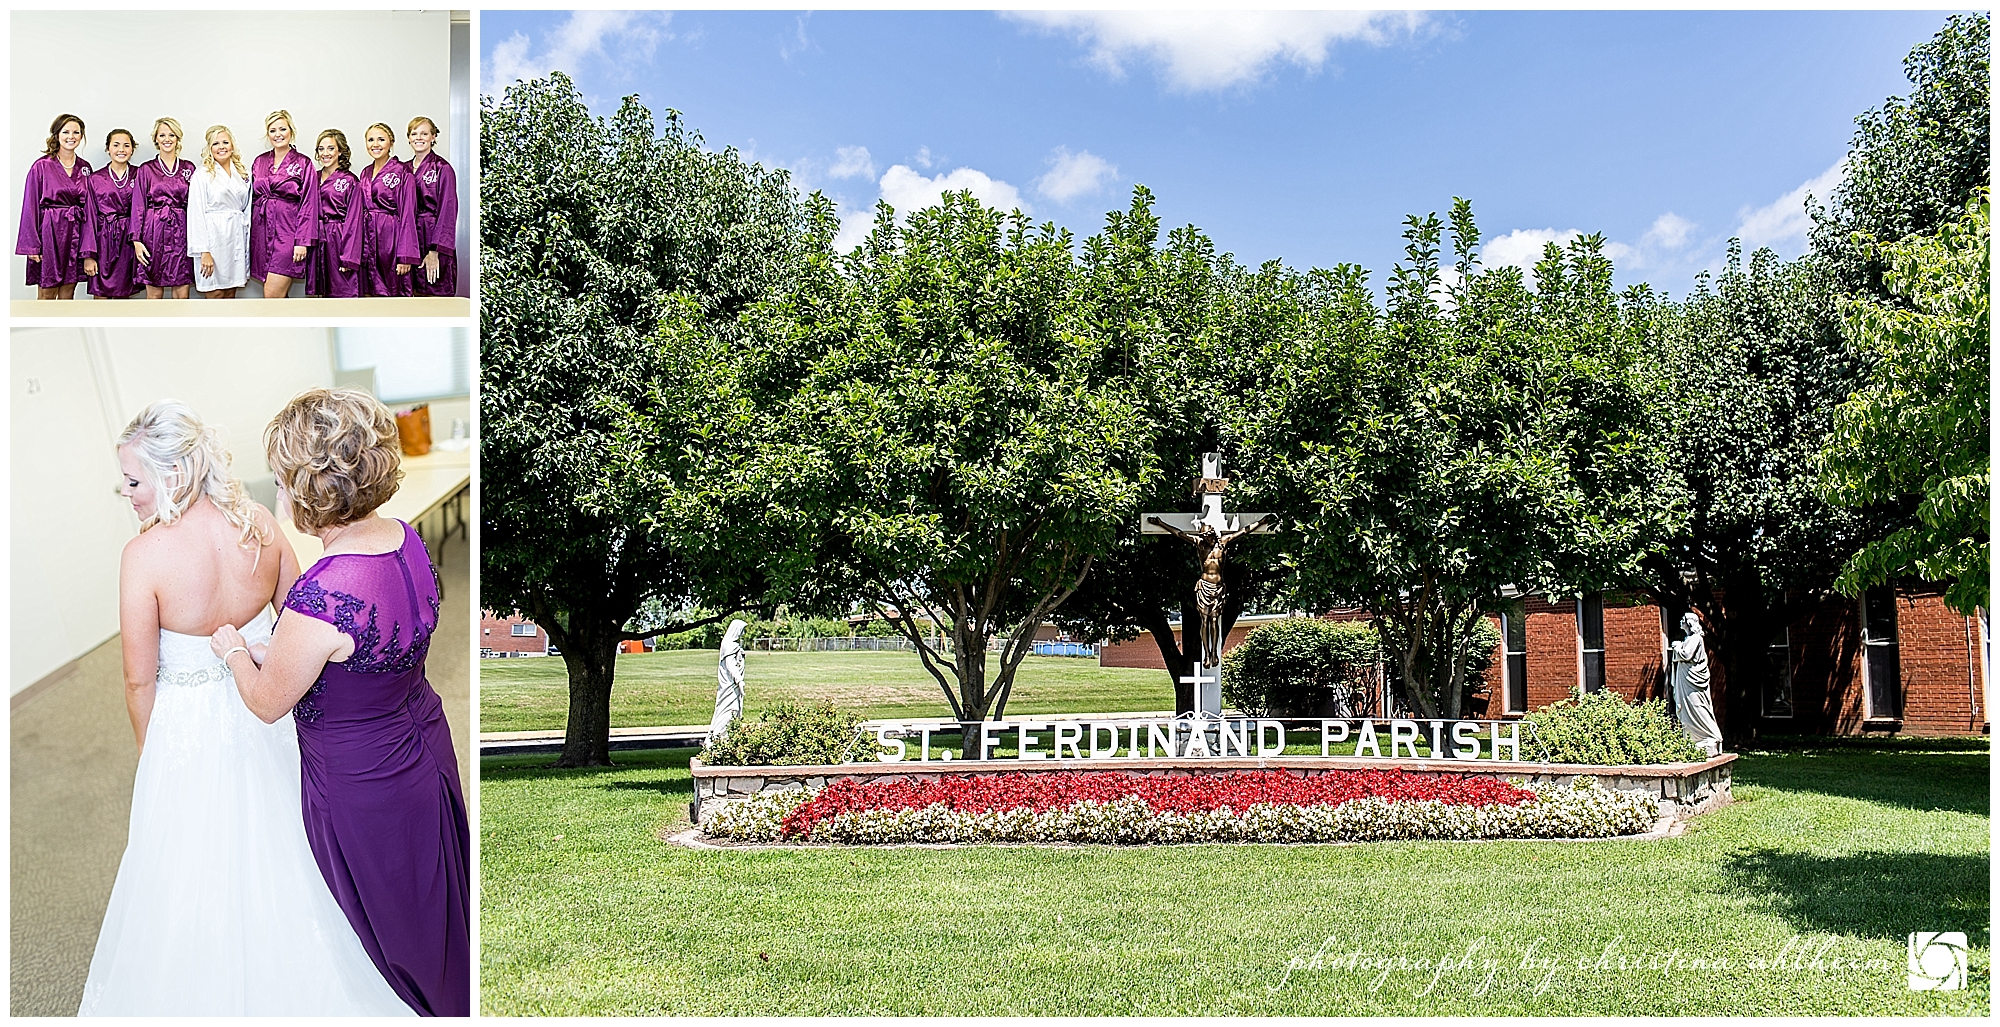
510, 636
1890, 662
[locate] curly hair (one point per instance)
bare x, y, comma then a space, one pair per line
235, 151
185, 461
344, 157
336, 455
54, 145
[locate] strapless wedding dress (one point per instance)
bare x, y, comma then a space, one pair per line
219, 908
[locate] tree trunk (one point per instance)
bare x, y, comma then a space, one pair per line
1178, 664
590, 652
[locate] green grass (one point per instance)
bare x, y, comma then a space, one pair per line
585, 911
678, 687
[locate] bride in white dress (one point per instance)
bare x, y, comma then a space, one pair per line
218, 217
219, 908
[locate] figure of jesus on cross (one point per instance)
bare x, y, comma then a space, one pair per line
1210, 531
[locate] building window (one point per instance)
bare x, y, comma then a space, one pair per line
1881, 664
524, 630
1778, 677
1590, 640
1514, 636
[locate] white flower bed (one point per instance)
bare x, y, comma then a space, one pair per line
1582, 811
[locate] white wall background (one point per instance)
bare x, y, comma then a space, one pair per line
123, 69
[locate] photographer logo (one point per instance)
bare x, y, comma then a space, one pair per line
1937, 961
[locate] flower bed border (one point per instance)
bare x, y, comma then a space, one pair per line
1683, 789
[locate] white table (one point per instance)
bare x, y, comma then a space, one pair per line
432, 499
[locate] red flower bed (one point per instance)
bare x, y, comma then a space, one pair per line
1180, 794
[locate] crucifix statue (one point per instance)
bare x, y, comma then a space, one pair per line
1210, 531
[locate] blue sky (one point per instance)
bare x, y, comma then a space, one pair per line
1301, 136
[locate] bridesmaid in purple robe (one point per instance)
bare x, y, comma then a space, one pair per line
108, 260
159, 217
334, 266
383, 807
284, 209
53, 211
437, 213
389, 244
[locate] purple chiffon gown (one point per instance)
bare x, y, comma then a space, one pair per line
384, 810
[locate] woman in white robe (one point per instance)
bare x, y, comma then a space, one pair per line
218, 218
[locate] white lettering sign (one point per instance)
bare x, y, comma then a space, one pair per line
1084, 740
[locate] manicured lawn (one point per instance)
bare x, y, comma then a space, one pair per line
678, 687
1846, 848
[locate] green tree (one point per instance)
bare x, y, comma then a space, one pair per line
966, 454
614, 259
1753, 367
1194, 333
1918, 428
1915, 162
1499, 443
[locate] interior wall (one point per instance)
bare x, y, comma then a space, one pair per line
123, 69
75, 389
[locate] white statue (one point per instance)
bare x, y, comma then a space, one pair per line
1691, 699
728, 681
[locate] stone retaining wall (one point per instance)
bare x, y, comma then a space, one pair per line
1682, 788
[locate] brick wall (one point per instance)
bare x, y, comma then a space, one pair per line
496, 634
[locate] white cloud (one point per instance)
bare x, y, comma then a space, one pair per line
1204, 50
854, 227
923, 158
1522, 247
622, 36
852, 162
1074, 174
907, 190
1783, 224
1669, 231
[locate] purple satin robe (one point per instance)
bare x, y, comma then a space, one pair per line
383, 808
107, 234
334, 266
52, 217
437, 224
159, 219
391, 235
284, 212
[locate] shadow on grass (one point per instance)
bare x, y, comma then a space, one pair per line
1868, 894
1918, 773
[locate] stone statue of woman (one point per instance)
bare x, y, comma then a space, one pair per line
728, 681
1692, 702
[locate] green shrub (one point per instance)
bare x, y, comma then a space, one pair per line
789, 735
1298, 667
1602, 728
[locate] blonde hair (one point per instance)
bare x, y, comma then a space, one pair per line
386, 130
281, 115
184, 460
336, 454
172, 126
235, 151
421, 120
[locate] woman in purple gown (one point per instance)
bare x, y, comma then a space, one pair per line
383, 808
334, 266
159, 217
437, 213
53, 210
284, 209
108, 261
389, 240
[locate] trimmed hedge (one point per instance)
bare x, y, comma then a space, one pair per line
790, 735
1602, 728
1297, 667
